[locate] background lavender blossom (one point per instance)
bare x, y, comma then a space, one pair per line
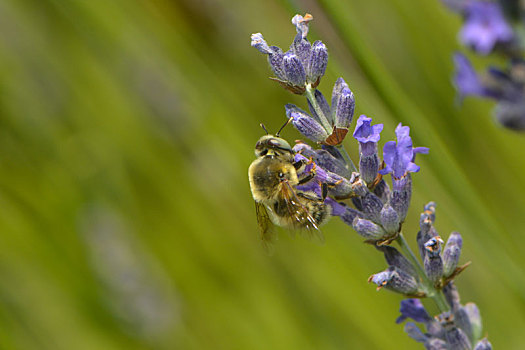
152, 109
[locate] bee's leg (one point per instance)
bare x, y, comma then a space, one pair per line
297, 165
324, 190
311, 173
306, 178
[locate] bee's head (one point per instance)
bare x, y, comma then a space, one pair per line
273, 145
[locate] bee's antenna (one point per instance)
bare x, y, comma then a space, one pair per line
282, 127
264, 128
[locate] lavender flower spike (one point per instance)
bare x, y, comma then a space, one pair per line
368, 136
399, 157
484, 27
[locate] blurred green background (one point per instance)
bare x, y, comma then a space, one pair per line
126, 219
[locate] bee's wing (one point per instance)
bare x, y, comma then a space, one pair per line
265, 226
304, 222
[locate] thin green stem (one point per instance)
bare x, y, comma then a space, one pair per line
430, 290
322, 118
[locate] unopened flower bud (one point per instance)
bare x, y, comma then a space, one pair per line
368, 229
433, 268
305, 124
396, 280
327, 161
433, 263
483, 344
415, 333
401, 194
302, 49
389, 219
475, 320
451, 294
344, 110
394, 258
317, 62
350, 215
293, 69
457, 339
382, 190
372, 207
451, 253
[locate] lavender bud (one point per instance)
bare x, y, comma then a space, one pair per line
415, 333
323, 104
435, 329
302, 49
389, 219
350, 215
372, 207
451, 294
433, 268
475, 320
382, 190
401, 195
451, 253
433, 263
368, 229
369, 165
339, 85
344, 109
276, 61
305, 124
395, 280
394, 258
327, 161
317, 62
483, 344
461, 320
293, 69
457, 339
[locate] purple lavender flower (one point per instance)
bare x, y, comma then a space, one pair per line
414, 309
399, 157
484, 26
368, 135
365, 132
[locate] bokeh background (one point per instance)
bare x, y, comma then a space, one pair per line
126, 219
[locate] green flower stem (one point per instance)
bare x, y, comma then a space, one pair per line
430, 290
326, 125
311, 97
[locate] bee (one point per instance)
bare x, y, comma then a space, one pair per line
273, 181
